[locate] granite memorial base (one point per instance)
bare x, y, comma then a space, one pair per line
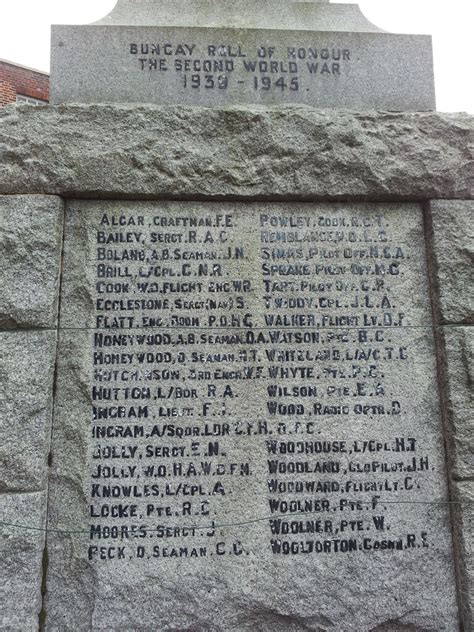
240, 400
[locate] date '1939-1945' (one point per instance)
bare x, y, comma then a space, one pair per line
221, 82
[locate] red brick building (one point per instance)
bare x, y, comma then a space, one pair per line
19, 84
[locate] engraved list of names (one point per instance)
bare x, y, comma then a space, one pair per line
258, 388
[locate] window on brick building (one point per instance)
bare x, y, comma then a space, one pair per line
21, 98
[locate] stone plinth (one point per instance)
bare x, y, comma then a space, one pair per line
215, 54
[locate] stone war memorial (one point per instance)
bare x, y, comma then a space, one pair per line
236, 321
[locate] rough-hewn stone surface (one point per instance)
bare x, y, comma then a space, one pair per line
451, 240
30, 241
26, 375
458, 371
21, 555
248, 152
453, 254
459, 398
463, 521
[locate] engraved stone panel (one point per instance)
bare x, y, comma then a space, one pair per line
247, 431
215, 67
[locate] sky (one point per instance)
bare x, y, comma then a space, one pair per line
25, 34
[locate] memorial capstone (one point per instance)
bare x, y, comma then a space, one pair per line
246, 436
211, 54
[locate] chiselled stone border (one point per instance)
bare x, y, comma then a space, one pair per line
32, 236
449, 239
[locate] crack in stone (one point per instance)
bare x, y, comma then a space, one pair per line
45, 559
20, 492
45, 564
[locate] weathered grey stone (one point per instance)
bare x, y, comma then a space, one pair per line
21, 557
463, 521
129, 324
240, 14
453, 255
283, 153
31, 242
186, 66
458, 395
71, 582
26, 372
458, 372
